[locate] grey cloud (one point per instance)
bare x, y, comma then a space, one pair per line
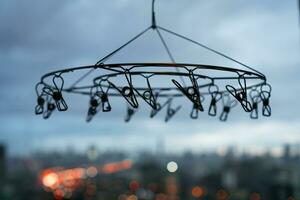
40, 36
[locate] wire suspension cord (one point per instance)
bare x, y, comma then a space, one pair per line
153, 26
108, 57
169, 53
127, 43
209, 49
165, 46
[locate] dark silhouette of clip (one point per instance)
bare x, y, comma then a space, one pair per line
240, 95
195, 111
265, 94
104, 97
50, 107
192, 92
215, 97
127, 91
94, 104
148, 96
159, 107
105, 102
39, 108
171, 111
93, 108
56, 93
130, 113
255, 99
228, 104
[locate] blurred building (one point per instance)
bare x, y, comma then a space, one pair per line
287, 152
2, 162
2, 169
92, 153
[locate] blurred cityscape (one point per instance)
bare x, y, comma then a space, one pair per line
108, 175
34, 35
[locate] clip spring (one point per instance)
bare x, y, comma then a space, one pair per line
127, 91
265, 95
240, 96
215, 97
192, 92
228, 105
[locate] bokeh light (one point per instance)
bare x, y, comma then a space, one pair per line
92, 171
172, 166
50, 180
198, 192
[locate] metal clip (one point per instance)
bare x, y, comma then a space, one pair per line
171, 111
192, 92
159, 106
148, 96
240, 95
265, 94
104, 97
228, 104
127, 91
56, 93
93, 104
255, 98
215, 97
50, 107
195, 111
39, 108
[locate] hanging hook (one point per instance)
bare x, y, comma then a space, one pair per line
153, 26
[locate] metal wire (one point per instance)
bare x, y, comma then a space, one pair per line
169, 54
127, 43
209, 49
140, 69
109, 56
154, 26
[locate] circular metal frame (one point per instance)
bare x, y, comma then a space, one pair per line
104, 85
119, 69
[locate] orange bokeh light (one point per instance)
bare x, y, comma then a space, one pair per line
50, 179
198, 192
117, 166
62, 182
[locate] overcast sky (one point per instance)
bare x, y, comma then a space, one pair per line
39, 36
